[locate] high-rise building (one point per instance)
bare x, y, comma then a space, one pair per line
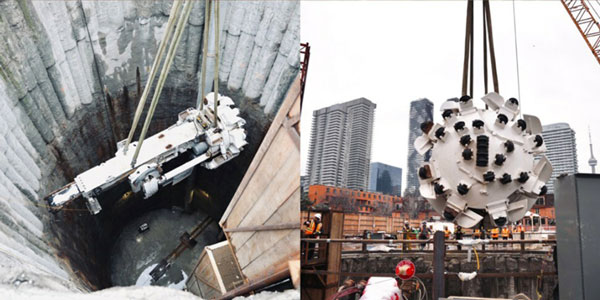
340, 144
304, 186
385, 179
562, 150
420, 111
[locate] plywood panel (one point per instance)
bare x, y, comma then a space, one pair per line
274, 193
292, 97
261, 241
203, 280
277, 156
269, 194
274, 259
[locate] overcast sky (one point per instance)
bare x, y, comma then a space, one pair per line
393, 52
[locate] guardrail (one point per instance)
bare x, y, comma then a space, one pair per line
406, 246
439, 249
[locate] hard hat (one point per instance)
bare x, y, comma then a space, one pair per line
318, 216
405, 222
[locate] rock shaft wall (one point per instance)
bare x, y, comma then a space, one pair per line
57, 60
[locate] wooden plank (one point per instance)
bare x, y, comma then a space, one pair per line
264, 227
273, 260
268, 195
294, 266
262, 241
230, 274
274, 159
213, 263
291, 97
205, 273
273, 192
334, 253
278, 190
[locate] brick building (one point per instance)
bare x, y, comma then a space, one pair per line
354, 201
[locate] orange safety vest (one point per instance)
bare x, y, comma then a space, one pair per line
505, 232
495, 232
311, 228
477, 233
446, 233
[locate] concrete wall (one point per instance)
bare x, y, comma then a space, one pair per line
57, 59
482, 287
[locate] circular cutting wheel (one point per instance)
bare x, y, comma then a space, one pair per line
486, 163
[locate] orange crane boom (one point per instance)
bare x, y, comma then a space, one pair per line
586, 22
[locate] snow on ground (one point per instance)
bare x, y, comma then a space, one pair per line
145, 279
266, 295
126, 293
115, 293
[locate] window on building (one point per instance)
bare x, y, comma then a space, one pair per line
540, 201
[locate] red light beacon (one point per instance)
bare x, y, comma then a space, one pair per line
405, 269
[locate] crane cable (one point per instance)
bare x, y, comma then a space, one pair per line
207, 19
467, 82
207, 9
163, 75
517, 56
157, 60
216, 84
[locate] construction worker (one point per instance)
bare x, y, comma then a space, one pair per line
424, 234
495, 232
406, 234
477, 233
520, 228
446, 232
505, 232
313, 229
458, 235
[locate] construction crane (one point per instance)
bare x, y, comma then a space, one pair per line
586, 19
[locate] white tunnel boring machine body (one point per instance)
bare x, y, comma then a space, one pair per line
211, 144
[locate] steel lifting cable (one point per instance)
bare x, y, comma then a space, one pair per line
216, 84
207, 19
207, 9
163, 75
517, 56
488, 22
488, 37
159, 55
468, 46
485, 72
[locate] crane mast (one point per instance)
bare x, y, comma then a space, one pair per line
586, 19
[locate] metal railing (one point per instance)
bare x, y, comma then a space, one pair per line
416, 246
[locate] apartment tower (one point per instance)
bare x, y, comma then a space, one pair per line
340, 145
